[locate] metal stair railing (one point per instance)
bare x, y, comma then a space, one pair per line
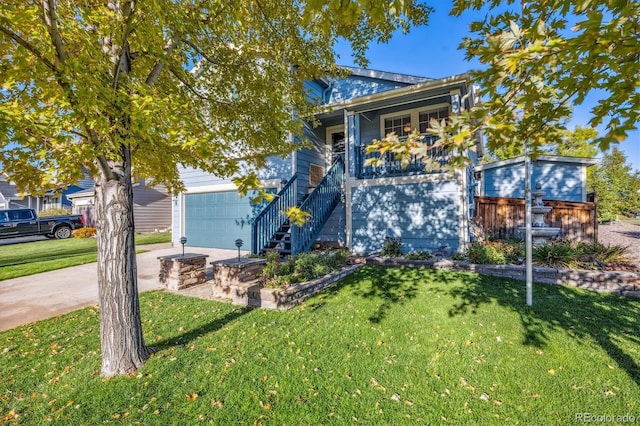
319, 204
271, 218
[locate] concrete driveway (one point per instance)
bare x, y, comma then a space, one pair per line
41, 296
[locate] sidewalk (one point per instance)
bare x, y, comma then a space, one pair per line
36, 297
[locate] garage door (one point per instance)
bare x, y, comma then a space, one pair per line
217, 219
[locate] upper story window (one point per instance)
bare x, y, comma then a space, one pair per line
400, 125
426, 117
405, 122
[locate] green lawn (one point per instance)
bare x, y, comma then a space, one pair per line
19, 260
386, 347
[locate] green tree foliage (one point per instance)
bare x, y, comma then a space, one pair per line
540, 58
617, 186
579, 142
110, 87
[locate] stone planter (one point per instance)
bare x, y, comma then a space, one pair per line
181, 271
232, 278
287, 298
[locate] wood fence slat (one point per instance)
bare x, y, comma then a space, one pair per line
500, 217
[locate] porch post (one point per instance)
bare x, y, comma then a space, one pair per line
352, 139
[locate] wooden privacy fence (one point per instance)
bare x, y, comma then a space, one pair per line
500, 218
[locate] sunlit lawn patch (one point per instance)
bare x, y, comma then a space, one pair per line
386, 346
19, 260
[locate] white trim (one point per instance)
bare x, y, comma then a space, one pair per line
583, 177
414, 113
548, 158
183, 219
226, 187
211, 188
348, 207
464, 210
401, 180
328, 142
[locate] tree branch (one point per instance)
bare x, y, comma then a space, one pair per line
51, 22
35, 52
193, 90
159, 65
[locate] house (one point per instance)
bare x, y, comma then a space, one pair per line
151, 207
561, 178
352, 205
11, 198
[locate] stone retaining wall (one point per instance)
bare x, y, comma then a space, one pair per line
181, 271
287, 298
626, 283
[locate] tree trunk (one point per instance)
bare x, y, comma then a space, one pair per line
122, 343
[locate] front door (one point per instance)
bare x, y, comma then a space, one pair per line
335, 143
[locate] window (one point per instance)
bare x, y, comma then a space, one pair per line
427, 116
20, 215
405, 122
401, 126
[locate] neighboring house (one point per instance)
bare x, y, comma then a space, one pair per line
151, 207
351, 205
561, 178
10, 198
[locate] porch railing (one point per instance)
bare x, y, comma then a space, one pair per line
391, 166
271, 218
320, 204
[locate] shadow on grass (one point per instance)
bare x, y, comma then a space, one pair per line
207, 328
613, 322
389, 286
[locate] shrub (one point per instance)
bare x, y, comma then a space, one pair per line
555, 254
84, 232
458, 256
335, 259
54, 212
300, 268
303, 266
418, 255
495, 252
600, 253
392, 247
485, 253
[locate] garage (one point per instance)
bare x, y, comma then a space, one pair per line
217, 219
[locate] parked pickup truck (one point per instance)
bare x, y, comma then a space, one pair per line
25, 222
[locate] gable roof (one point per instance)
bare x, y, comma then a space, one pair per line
388, 76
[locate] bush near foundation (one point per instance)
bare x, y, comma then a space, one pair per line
84, 233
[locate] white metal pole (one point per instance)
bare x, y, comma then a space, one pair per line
527, 219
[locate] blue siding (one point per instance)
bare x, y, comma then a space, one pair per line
559, 181
315, 154
355, 87
336, 227
424, 215
277, 167
315, 91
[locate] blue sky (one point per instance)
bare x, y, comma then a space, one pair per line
432, 51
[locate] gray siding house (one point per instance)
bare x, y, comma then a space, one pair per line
151, 207
353, 205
